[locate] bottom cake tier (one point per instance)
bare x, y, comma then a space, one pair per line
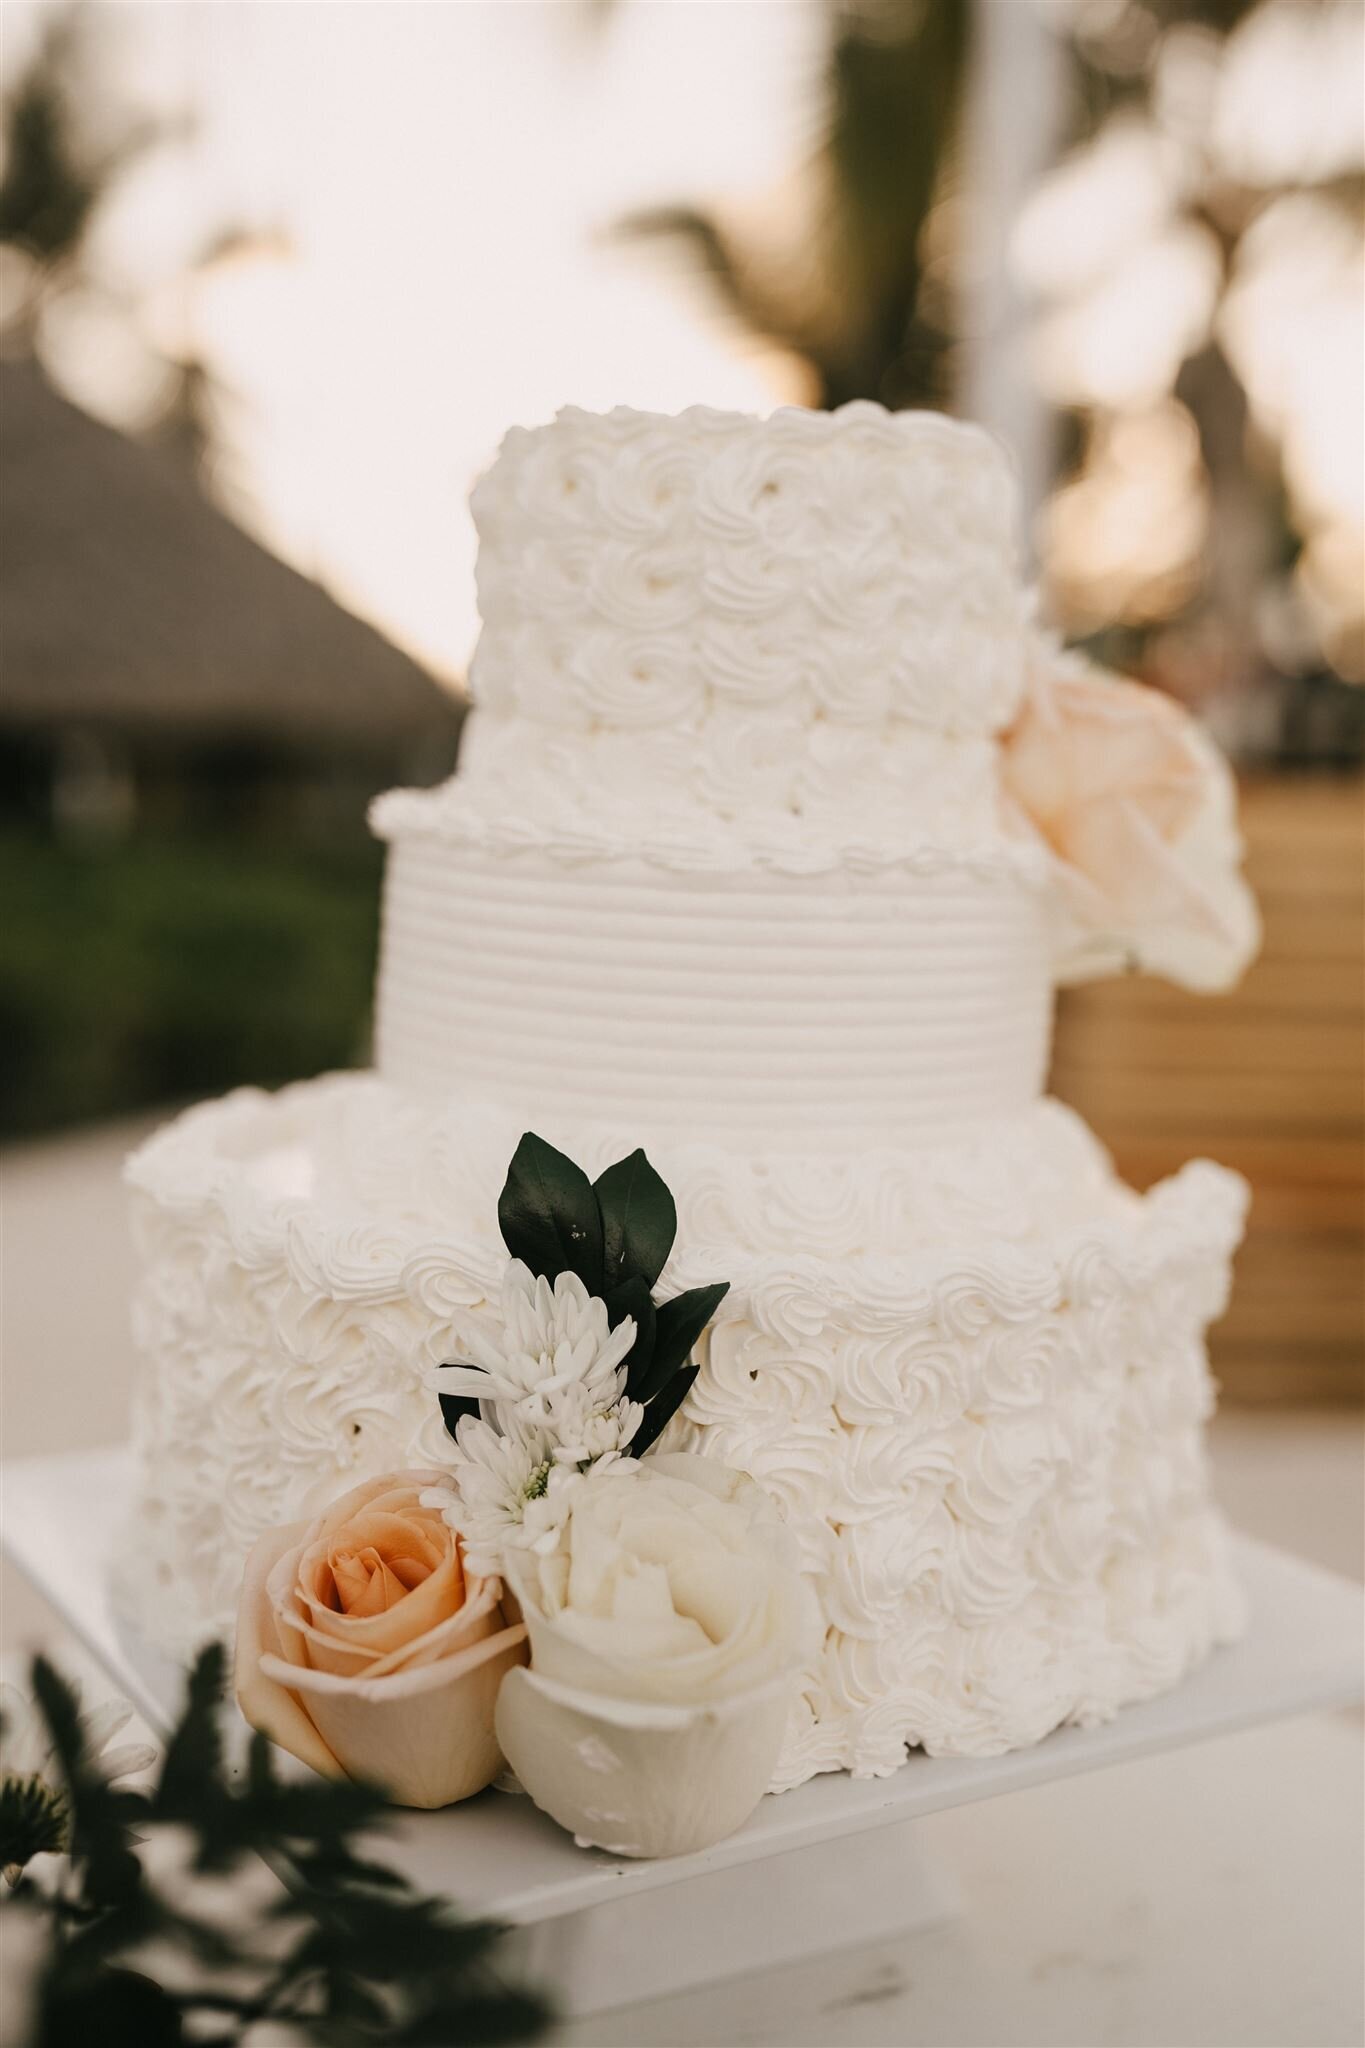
975, 1378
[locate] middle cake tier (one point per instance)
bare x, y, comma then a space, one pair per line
830, 1010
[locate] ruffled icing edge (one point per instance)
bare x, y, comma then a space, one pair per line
1196, 1216
915, 424
451, 815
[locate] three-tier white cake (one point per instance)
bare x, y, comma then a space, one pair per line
731, 869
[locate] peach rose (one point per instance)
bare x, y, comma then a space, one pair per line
365, 1649
1139, 808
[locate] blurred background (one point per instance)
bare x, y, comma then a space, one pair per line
274, 278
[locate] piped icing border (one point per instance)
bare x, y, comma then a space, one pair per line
706, 845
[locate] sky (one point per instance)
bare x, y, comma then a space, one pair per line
435, 185
427, 192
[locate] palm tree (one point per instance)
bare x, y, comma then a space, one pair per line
853, 305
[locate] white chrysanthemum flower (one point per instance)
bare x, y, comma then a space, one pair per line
587, 1435
25, 1750
551, 1338
504, 1491
33, 1810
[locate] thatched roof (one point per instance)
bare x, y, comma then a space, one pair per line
128, 600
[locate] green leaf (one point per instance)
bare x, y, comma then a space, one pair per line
633, 1298
355, 2004
60, 1707
489, 2018
678, 1325
662, 1409
194, 1753
110, 1874
117, 2008
639, 1220
549, 1216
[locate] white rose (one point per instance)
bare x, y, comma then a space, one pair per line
666, 1631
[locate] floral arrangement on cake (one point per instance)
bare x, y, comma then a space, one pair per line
621, 1625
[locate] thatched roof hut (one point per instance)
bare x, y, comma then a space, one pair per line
130, 605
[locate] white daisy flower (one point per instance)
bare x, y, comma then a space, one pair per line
25, 1750
504, 1491
551, 1338
33, 1809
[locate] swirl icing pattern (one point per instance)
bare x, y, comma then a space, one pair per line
974, 1376
638, 571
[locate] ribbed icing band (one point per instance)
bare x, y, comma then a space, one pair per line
839, 1008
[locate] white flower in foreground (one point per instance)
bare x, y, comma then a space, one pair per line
25, 1750
550, 1339
33, 1815
668, 1626
587, 1435
503, 1491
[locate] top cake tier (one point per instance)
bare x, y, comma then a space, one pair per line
638, 571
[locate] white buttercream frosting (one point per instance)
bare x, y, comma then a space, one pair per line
768, 1012
728, 792
638, 571
974, 1377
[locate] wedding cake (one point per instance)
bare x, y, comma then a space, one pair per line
776, 823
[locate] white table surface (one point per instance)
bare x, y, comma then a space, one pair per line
1211, 1895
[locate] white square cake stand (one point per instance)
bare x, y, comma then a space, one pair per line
828, 1866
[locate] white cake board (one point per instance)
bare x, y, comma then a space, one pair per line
828, 1866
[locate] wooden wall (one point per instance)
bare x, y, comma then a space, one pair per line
1269, 1079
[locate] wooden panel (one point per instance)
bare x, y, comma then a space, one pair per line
1271, 1080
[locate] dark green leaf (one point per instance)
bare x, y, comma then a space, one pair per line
59, 1705
454, 1408
354, 2003
344, 1868
194, 1753
111, 1873
492, 2018
678, 1325
663, 1408
639, 1221
115, 2007
388, 1937
262, 1781
549, 1216
633, 1298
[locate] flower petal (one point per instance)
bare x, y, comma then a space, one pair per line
425, 1736
267, 1700
641, 1778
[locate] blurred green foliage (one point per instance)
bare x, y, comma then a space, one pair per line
173, 966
